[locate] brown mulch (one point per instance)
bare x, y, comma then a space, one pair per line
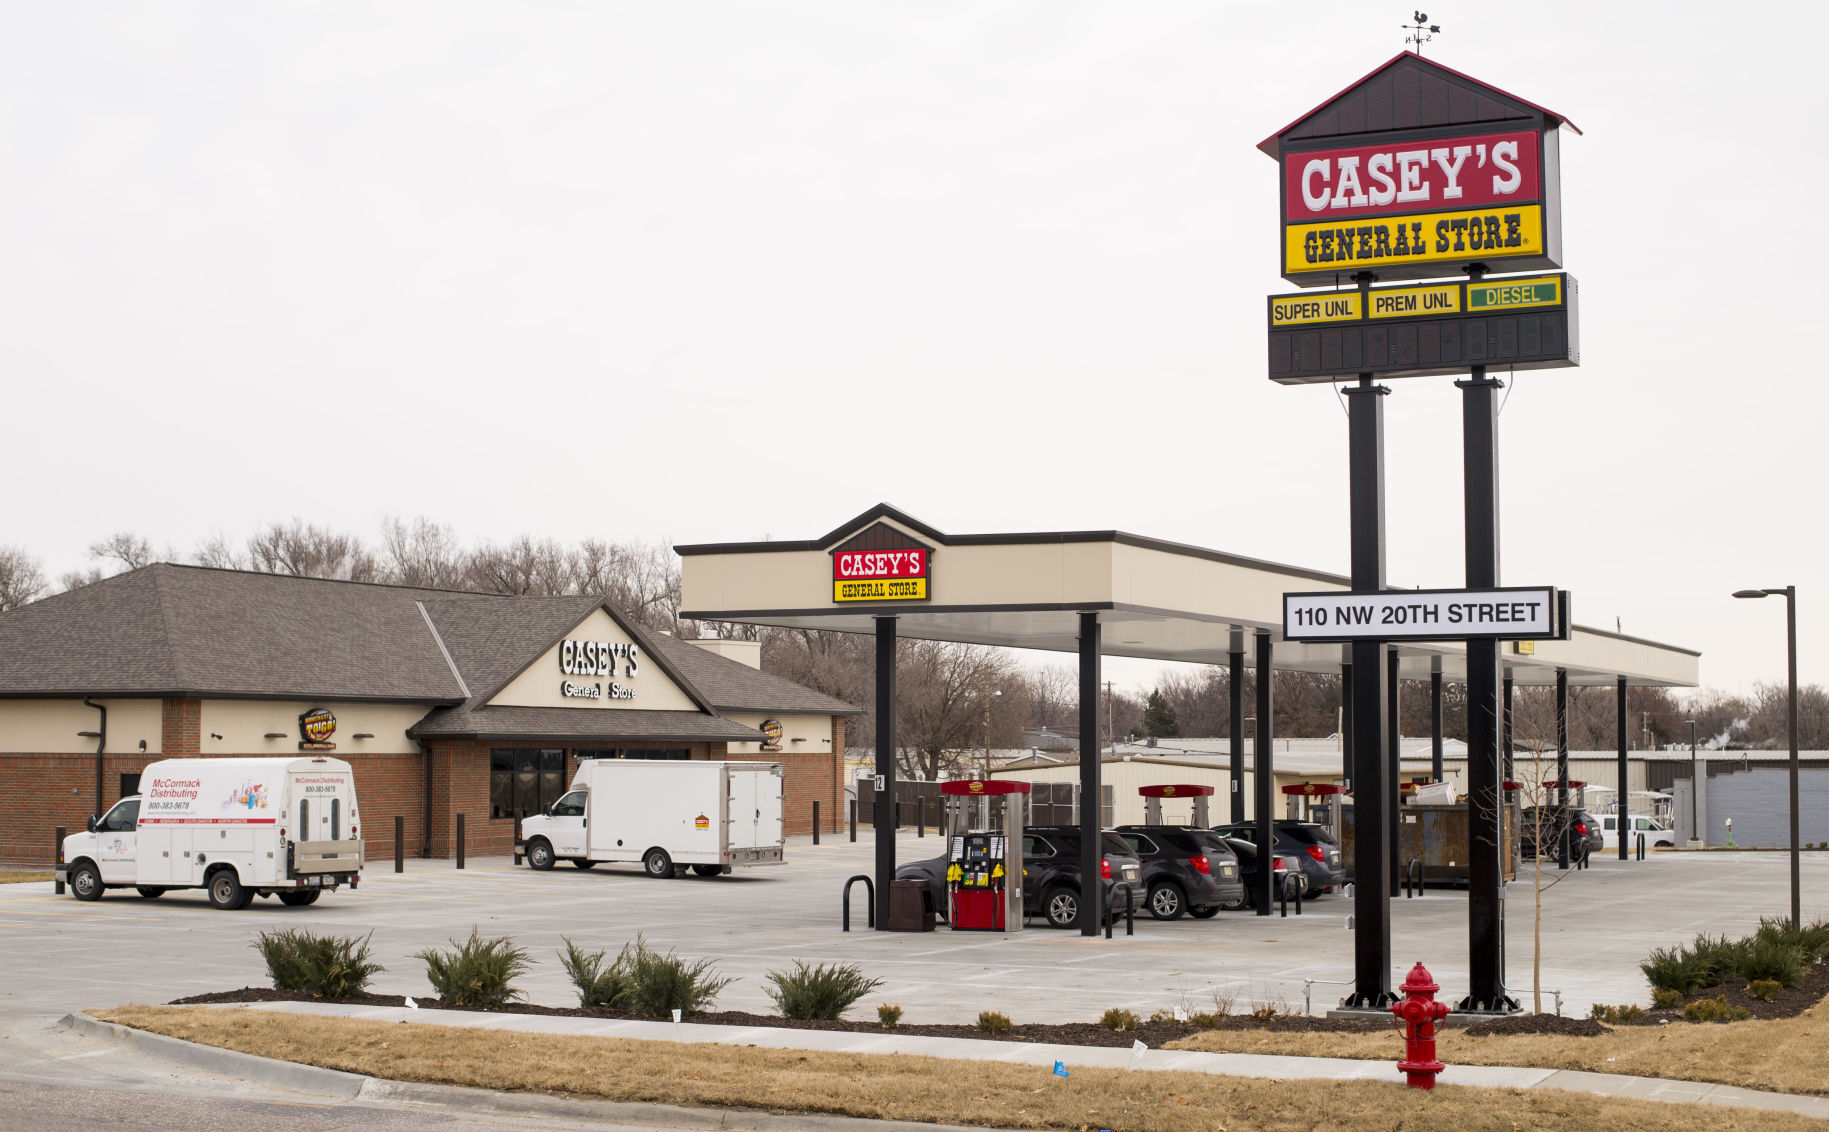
1537, 1024
1789, 1002
1153, 1034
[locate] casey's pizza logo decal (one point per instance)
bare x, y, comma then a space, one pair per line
315, 728
771, 735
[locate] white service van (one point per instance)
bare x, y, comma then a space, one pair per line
709, 815
1656, 833
236, 828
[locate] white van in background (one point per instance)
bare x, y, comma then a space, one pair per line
710, 815
1656, 833
233, 827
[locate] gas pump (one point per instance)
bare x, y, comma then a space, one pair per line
984, 865
1153, 796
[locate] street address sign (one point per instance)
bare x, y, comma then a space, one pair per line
1513, 613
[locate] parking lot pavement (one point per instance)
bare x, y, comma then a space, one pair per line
61, 955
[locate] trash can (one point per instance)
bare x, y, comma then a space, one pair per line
909, 907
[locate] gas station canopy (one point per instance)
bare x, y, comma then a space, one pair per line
1157, 600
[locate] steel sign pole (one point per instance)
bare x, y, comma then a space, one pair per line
884, 818
1566, 820
1435, 726
1791, 726
1372, 879
1235, 672
1485, 870
1263, 775
1090, 839
1393, 737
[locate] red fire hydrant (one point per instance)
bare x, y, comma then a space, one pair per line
1418, 1013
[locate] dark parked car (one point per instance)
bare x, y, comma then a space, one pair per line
1289, 876
1186, 869
1313, 844
1548, 823
1051, 875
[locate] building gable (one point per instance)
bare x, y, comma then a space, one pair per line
596, 664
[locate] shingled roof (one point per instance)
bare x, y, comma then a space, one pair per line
197, 632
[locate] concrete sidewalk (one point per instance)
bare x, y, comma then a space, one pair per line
1263, 1066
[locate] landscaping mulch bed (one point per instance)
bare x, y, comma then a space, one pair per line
1152, 1034
1537, 1024
1789, 1002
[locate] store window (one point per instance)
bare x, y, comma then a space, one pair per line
679, 754
524, 780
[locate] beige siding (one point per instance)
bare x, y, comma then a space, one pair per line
245, 724
814, 733
49, 727
540, 685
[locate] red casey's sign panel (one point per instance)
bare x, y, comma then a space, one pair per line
1372, 180
880, 575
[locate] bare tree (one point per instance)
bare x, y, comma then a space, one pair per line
421, 553
218, 552
130, 550
77, 579
524, 567
306, 550
21, 578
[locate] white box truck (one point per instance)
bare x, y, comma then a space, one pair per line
711, 816
236, 828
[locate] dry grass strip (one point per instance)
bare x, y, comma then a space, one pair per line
1784, 1055
899, 1087
23, 876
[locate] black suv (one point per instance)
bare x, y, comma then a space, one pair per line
1583, 830
1051, 875
1288, 881
1186, 869
1311, 843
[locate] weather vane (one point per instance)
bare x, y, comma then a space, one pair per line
1418, 29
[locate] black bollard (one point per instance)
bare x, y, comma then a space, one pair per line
460, 841
400, 843
517, 836
815, 821
57, 855
854, 819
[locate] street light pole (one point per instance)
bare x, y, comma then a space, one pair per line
989, 695
1790, 596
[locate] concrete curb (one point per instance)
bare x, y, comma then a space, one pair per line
279, 1074
312, 1079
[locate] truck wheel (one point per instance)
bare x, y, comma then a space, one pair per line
227, 893
1062, 907
1166, 901
539, 854
583, 863
150, 891
1206, 913
301, 897
86, 882
708, 870
658, 864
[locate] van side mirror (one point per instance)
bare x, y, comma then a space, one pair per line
91, 823
550, 806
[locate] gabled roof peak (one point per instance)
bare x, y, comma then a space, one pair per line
1408, 92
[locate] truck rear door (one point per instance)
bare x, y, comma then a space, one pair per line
323, 823
755, 808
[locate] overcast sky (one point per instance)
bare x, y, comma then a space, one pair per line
713, 272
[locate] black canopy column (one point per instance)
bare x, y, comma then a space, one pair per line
1625, 809
1091, 841
1567, 823
885, 767
1393, 738
1435, 725
1263, 776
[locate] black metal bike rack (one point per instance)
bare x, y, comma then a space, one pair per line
869, 901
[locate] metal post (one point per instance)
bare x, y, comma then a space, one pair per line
1562, 767
518, 815
1791, 726
460, 841
400, 843
1511, 774
1090, 840
854, 821
1263, 772
1624, 820
1485, 871
816, 821
1235, 670
1435, 726
57, 857
1394, 746
1695, 789
1346, 737
886, 808
1372, 880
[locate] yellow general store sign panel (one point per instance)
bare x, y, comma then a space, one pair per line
1387, 244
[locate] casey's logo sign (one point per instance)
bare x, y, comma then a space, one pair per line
880, 575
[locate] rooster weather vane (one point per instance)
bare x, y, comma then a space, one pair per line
1421, 32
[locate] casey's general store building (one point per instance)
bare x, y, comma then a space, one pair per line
444, 702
